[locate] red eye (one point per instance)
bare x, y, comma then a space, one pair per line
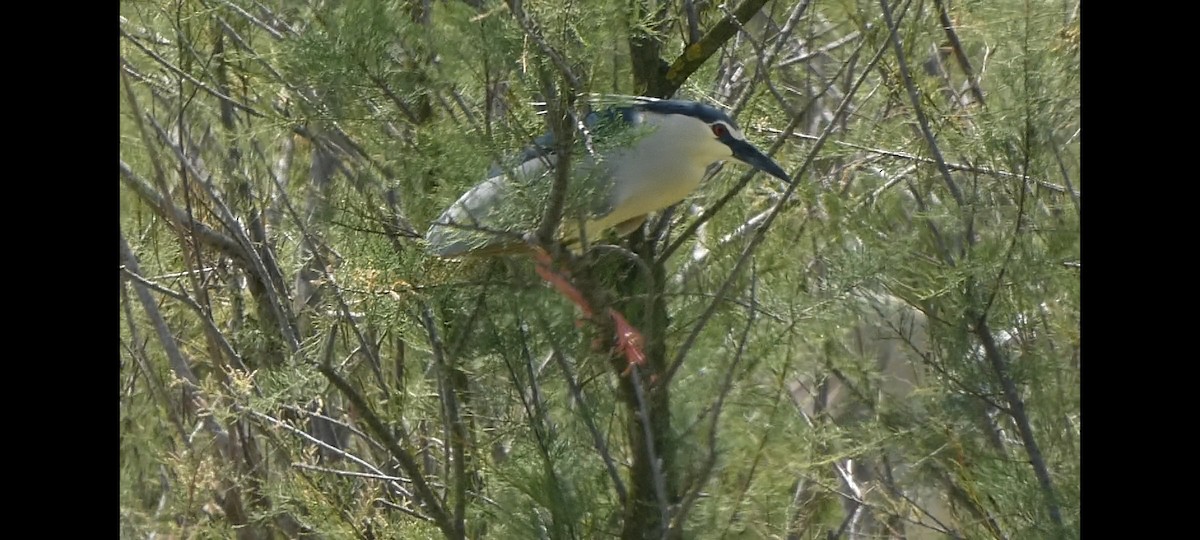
719, 130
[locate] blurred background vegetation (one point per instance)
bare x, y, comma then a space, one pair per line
888, 350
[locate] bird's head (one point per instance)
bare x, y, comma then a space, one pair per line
714, 133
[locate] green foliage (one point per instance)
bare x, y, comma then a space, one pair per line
850, 348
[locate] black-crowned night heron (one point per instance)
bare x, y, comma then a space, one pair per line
639, 156
647, 155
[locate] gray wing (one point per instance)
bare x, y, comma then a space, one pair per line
476, 221
496, 211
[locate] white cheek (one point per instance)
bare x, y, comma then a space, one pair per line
718, 150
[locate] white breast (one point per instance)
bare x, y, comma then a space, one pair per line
662, 168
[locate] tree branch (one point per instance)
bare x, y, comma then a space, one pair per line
918, 110
760, 233
424, 495
209, 325
696, 54
959, 53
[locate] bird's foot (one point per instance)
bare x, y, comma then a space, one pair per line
629, 342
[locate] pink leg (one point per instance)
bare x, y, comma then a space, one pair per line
560, 282
628, 340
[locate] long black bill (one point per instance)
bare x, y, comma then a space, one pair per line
748, 154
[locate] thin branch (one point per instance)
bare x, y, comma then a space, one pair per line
646, 39
959, 53
174, 356
656, 464
424, 494
959, 167
828, 48
937, 526
209, 324
394, 506
355, 474
685, 506
383, 86
173, 215
559, 117
262, 265
199, 84
787, 131
586, 414
1062, 168
766, 61
711, 210
915, 100
531, 29
761, 450
459, 439
760, 233
999, 365
137, 350
693, 21
535, 412
697, 261
348, 426
1018, 222
375, 472
245, 14
314, 247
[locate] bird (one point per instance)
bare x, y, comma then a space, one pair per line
640, 155
648, 154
